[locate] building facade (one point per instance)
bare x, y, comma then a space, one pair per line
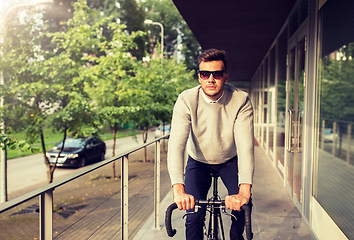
302, 94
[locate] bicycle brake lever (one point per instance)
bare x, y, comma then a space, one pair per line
195, 211
187, 214
228, 214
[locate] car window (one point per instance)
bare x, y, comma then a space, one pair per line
89, 142
72, 143
95, 140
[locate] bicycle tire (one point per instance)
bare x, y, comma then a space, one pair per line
170, 231
248, 225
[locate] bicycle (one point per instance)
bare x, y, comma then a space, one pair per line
213, 205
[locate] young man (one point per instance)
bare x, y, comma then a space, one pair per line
215, 121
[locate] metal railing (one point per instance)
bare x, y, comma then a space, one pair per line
45, 193
338, 139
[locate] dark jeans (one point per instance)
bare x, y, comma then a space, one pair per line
197, 183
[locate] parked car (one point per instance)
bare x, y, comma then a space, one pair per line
162, 130
78, 152
329, 135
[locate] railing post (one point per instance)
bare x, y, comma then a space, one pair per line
157, 185
322, 134
349, 137
334, 143
124, 197
3, 155
46, 215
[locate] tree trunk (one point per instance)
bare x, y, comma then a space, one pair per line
51, 169
46, 160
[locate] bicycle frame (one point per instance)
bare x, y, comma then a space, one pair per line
213, 205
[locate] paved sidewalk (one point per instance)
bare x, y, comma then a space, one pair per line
274, 214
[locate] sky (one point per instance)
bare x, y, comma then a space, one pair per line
7, 4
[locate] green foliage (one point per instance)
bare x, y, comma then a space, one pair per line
156, 88
26, 91
126, 12
132, 13
337, 85
45, 89
165, 12
8, 143
107, 74
74, 113
89, 78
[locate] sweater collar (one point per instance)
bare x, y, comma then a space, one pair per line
209, 101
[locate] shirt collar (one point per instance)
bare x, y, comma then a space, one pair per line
207, 100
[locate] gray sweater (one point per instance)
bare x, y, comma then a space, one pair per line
213, 133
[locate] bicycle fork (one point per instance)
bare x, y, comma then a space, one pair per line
213, 224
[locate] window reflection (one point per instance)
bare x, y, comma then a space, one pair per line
281, 100
335, 173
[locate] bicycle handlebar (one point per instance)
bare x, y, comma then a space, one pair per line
171, 232
248, 224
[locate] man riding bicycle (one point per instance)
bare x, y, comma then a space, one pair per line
215, 121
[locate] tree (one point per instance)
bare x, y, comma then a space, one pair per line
155, 93
25, 92
337, 81
126, 12
82, 39
45, 89
165, 12
132, 13
336, 87
108, 74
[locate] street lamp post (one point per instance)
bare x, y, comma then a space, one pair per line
148, 21
157, 182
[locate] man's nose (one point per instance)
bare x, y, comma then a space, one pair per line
211, 78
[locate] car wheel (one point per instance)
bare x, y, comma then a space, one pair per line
102, 156
82, 162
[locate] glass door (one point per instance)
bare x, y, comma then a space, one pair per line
295, 115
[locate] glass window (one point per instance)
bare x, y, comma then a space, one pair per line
281, 54
271, 96
265, 101
334, 176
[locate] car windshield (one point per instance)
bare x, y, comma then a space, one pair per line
72, 143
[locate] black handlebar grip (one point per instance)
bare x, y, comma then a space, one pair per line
248, 224
170, 232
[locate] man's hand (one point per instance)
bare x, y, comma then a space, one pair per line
183, 200
234, 202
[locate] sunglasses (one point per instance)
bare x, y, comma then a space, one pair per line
218, 75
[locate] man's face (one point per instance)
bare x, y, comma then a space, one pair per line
213, 88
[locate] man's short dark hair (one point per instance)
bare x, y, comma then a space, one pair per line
213, 54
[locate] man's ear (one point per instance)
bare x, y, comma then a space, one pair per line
226, 77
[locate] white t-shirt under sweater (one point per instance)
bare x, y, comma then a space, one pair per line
213, 132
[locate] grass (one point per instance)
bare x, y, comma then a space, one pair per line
52, 138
